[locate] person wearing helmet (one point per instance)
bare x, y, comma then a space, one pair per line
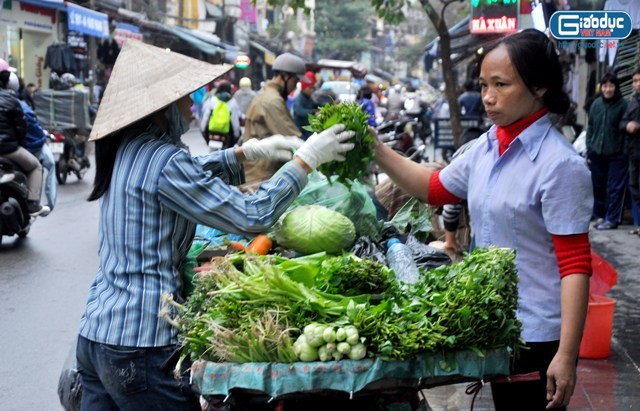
13, 129
268, 114
244, 96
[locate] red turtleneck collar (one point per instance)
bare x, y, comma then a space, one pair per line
509, 133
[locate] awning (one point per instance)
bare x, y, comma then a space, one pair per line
230, 51
180, 33
87, 21
269, 56
50, 4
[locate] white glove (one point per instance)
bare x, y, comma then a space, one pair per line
276, 148
326, 147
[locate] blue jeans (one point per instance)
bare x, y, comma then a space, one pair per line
131, 378
50, 184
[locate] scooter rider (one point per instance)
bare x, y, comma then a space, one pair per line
12, 132
34, 142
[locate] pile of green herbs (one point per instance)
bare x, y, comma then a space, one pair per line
252, 308
357, 161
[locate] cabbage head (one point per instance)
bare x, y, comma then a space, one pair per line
311, 229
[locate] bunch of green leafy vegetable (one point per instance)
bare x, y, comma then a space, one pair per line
469, 305
350, 275
252, 308
358, 160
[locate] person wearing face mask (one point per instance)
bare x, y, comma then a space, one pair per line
542, 214
606, 154
268, 114
152, 194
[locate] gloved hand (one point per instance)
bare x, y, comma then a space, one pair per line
276, 148
326, 147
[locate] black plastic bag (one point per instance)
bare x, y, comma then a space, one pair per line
426, 257
367, 248
69, 385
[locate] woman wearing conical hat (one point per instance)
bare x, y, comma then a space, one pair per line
152, 194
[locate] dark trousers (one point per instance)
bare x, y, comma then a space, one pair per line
609, 175
116, 378
527, 395
634, 182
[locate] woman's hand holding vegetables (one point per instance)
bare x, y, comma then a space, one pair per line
326, 147
276, 148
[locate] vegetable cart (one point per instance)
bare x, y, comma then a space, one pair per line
347, 383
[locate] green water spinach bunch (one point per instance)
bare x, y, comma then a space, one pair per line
358, 160
469, 305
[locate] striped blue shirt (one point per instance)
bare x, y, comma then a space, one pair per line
158, 194
540, 186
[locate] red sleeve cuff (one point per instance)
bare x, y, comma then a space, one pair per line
574, 253
438, 195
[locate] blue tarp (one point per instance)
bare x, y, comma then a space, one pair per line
278, 379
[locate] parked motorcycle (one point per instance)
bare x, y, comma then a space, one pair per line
14, 216
68, 149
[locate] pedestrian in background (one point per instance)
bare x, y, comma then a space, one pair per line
363, 98
606, 154
220, 123
244, 96
470, 101
35, 142
268, 114
152, 194
304, 105
630, 125
544, 216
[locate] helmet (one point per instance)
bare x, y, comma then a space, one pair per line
245, 82
290, 63
14, 82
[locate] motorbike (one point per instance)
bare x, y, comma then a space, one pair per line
14, 216
68, 148
401, 136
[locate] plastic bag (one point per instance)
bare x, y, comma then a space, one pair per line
414, 218
603, 276
427, 257
367, 248
69, 385
355, 203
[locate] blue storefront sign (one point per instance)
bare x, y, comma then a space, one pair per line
88, 21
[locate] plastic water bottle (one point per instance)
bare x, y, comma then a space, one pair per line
400, 259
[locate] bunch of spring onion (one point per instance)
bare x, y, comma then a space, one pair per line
326, 342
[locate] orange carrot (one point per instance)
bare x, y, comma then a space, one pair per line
236, 246
260, 245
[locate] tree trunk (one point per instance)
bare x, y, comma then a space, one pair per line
447, 69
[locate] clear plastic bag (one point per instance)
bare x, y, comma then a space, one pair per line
354, 202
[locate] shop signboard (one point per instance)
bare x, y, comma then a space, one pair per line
493, 16
124, 31
88, 21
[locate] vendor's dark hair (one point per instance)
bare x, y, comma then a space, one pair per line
535, 59
636, 71
105, 150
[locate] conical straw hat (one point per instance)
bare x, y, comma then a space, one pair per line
144, 80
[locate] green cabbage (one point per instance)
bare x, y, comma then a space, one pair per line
311, 229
